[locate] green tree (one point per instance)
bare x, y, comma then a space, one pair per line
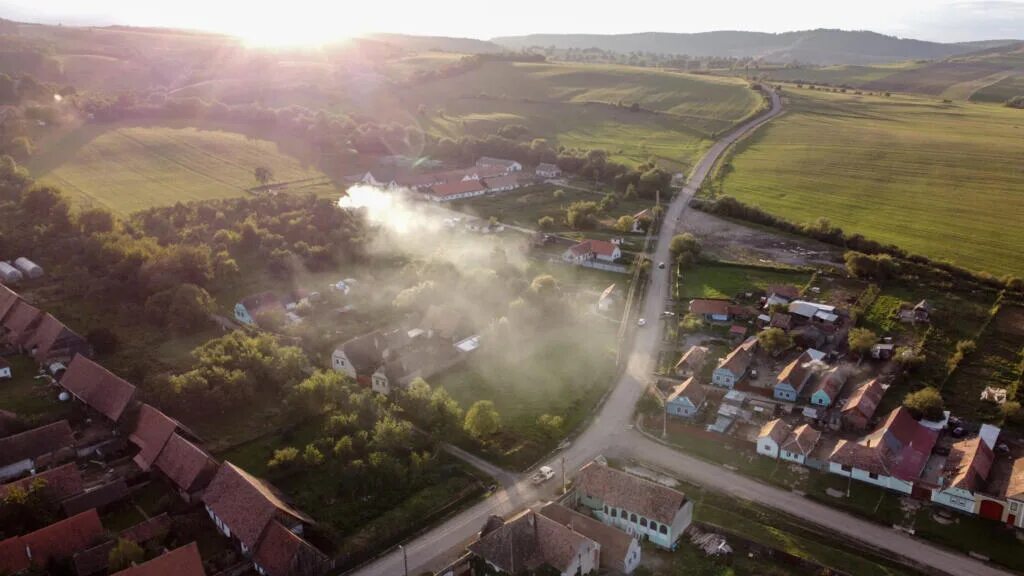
125, 554
861, 340
685, 248
312, 456
263, 175
482, 419
582, 214
558, 194
624, 223
774, 341
184, 308
546, 222
550, 425
925, 403
392, 435
283, 458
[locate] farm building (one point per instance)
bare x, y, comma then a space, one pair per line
590, 250
28, 267
545, 170
9, 274
507, 165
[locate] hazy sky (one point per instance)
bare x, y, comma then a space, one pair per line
307, 20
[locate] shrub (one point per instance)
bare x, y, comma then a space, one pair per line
284, 458
925, 403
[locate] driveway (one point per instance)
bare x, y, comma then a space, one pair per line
611, 432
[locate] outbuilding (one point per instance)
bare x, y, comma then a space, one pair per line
9, 274
28, 267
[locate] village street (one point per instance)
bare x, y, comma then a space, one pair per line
611, 433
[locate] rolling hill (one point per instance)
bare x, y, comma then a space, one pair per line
809, 46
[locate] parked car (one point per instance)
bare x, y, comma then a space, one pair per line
661, 265
543, 475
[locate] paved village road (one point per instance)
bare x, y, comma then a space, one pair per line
611, 432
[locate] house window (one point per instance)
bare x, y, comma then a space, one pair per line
663, 529
605, 508
615, 513
653, 526
844, 468
632, 518
872, 475
643, 522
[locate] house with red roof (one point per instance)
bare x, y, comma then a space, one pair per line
35, 449
456, 190
188, 467
58, 541
966, 470
531, 542
58, 483
892, 456
98, 388
734, 366
249, 510
861, 404
19, 323
52, 341
183, 561
588, 250
283, 553
150, 433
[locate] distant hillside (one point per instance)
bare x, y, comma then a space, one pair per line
438, 43
988, 75
810, 46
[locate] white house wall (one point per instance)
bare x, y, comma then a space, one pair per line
767, 447
956, 498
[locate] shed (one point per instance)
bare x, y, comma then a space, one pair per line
9, 274
28, 267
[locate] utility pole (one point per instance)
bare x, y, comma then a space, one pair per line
664, 421
405, 559
563, 475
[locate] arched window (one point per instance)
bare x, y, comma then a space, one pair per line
643, 522
632, 518
663, 529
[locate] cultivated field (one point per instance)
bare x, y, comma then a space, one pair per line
576, 105
125, 169
943, 180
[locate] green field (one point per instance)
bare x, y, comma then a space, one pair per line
577, 105
942, 180
725, 280
125, 169
1000, 91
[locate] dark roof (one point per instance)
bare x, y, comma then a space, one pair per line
12, 556
8, 298
366, 352
246, 504
614, 542
151, 432
35, 443
20, 322
97, 497
528, 542
802, 440
689, 389
186, 465
797, 372
184, 561
282, 553
148, 529
709, 306
831, 383
740, 358
97, 559
49, 334
61, 482
635, 494
64, 538
93, 384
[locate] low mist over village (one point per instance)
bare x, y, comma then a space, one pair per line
290, 300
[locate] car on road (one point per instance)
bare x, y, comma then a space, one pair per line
641, 322
668, 314
542, 475
661, 265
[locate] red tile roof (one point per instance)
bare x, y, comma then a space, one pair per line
246, 504
60, 482
529, 541
900, 447
148, 529
184, 561
599, 247
46, 336
152, 430
35, 443
185, 464
62, 539
20, 322
8, 298
969, 463
706, 306
777, 430
695, 358
614, 543
93, 384
802, 440
689, 389
97, 497
740, 358
864, 400
632, 493
282, 553
13, 558
831, 383
457, 187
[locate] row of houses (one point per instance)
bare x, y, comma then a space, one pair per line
252, 513
488, 175
609, 514
974, 475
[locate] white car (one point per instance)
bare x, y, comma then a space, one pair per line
542, 475
641, 322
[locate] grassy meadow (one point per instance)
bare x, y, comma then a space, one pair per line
726, 280
575, 105
130, 168
939, 179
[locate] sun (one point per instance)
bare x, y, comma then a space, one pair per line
272, 32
